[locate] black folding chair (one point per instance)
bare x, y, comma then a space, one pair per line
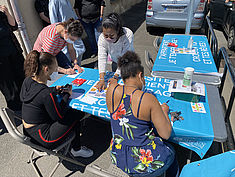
149, 61
157, 42
228, 67
212, 40
8, 118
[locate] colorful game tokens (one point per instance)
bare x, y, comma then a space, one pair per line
78, 82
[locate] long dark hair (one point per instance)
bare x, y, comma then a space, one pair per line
35, 61
113, 21
74, 27
130, 65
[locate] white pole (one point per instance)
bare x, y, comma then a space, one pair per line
190, 17
21, 25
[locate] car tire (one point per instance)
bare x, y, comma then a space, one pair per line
231, 38
149, 29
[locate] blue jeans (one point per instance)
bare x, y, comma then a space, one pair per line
171, 167
90, 31
63, 60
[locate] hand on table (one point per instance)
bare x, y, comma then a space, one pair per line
101, 85
80, 70
70, 71
68, 89
165, 107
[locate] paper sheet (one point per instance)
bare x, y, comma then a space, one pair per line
198, 107
89, 100
73, 75
94, 92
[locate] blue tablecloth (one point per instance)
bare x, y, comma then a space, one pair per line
195, 132
177, 58
222, 165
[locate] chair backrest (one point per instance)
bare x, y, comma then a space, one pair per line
228, 67
8, 118
148, 60
212, 40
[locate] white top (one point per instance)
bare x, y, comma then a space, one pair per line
114, 50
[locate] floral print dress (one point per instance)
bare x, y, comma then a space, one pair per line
134, 147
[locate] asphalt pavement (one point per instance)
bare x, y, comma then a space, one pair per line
95, 134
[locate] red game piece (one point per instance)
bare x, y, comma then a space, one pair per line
171, 44
78, 81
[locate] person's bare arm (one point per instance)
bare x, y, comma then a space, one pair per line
77, 12
101, 84
159, 117
101, 11
66, 71
109, 94
10, 18
44, 17
72, 54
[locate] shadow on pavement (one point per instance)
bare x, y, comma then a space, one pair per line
134, 17
3, 128
96, 134
182, 154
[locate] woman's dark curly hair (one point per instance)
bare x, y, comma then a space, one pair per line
113, 21
35, 61
74, 27
130, 65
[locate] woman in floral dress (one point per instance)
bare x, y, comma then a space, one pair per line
134, 147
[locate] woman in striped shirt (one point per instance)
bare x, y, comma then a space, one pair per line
53, 38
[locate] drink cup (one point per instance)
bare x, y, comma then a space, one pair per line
188, 75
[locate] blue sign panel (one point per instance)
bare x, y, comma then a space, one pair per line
180, 51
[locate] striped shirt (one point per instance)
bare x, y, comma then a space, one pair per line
49, 41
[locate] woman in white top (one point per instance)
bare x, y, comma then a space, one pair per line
113, 42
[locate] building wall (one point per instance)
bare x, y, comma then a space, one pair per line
33, 23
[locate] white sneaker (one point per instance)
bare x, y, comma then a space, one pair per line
83, 152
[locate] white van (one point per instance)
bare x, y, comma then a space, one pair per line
174, 13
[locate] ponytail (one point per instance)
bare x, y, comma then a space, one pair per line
35, 61
31, 63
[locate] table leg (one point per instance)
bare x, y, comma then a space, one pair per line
190, 157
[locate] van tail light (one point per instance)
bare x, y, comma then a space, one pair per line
150, 5
201, 6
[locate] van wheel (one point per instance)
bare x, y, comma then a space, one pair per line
149, 29
231, 40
